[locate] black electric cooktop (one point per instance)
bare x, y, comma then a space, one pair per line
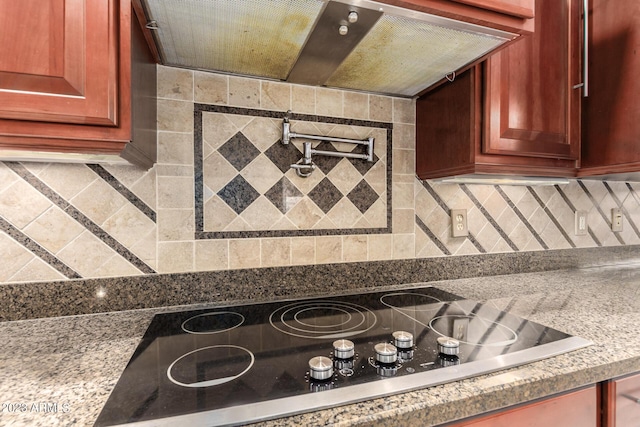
241, 364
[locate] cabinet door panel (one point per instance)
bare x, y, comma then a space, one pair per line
622, 405
532, 107
611, 124
58, 61
575, 409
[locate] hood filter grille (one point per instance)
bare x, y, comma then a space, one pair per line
250, 37
403, 56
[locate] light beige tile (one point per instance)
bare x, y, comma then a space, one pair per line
14, 257
380, 247
403, 220
377, 177
175, 224
175, 116
284, 223
21, 203
116, 266
175, 257
175, 83
211, 88
303, 99
146, 248
495, 205
345, 176
261, 173
508, 220
244, 253
403, 162
275, 252
212, 255
127, 224
244, 92
488, 237
356, 105
344, 214
303, 251
380, 108
376, 215
520, 235
175, 192
67, 179
328, 249
466, 248
404, 136
175, 148
217, 171
403, 246
438, 222
275, 96
127, 174
305, 214
86, 254
36, 271
145, 188
216, 129
7, 177
54, 229
99, 201
305, 185
328, 102
262, 214
403, 196
263, 132
174, 170
355, 248
325, 224
239, 224
404, 110
380, 143
217, 214
501, 247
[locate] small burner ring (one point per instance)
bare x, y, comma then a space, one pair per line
233, 320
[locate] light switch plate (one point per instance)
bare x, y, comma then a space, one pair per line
616, 220
459, 226
581, 223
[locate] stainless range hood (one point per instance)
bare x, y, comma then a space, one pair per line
358, 44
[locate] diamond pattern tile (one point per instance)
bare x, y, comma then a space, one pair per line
239, 151
326, 163
363, 166
284, 195
238, 194
325, 195
363, 196
283, 156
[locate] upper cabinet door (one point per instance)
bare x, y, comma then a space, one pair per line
58, 61
532, 108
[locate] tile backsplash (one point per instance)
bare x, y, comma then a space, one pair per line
223, 197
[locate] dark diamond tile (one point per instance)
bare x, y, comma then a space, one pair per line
281, 193
363, 166
239, 151
238, 194
325, 195
363, 196
325, 163
283, 156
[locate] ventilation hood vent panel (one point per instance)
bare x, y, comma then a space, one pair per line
390, 50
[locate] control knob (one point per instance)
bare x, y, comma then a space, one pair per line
403, 340
320, 368
448, 346
386, 353
343, 349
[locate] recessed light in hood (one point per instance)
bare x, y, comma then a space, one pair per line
388, 49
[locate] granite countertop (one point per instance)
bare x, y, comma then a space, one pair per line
60, 371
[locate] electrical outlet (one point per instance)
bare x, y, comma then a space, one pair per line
581, 223
459, 223
616, 220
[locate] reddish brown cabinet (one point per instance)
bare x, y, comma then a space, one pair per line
575, 409
76, 76
518, 113
621, 402
611, 113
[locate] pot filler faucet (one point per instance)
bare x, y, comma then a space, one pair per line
305, 166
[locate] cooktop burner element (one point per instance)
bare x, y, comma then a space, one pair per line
322, 320
242, 364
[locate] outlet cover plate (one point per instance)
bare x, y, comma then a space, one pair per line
581, 223
459, 226
616, 220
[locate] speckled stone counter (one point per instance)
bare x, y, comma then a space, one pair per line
67, 366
